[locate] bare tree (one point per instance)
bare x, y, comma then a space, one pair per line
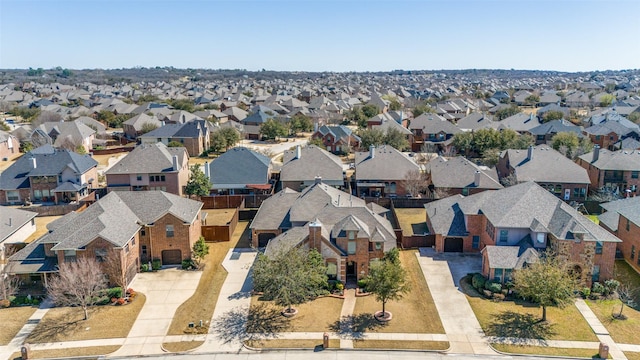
604, 195
441, 193
68, 143
116, 266
626, 296
415, 182
77, 283
8, 284
46, 116
509, 180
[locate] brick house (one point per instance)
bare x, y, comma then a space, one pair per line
622, 219
548, 168
521, 220
617, 171
432, 129
151, 167
337, 139
346, 231
460, 176
15, 227
240, 170
381, 171
48, 175
139, 226
193, 135
9, 146
302, 165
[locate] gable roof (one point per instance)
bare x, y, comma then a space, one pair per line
239, 166
313, 161
629, 207
545, 165
556, 126
520, 122
458, 172
387, 163
338, 132
149, 158
12, 220
433, 124
74, 130
625, 160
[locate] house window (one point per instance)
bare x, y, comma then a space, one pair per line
465, 191
143, 232
597, 137
634, 174
633, 251
627, 225
332, 270
133, 241
139, 177
351, 247
595, 273
476, 242
378, 246
144, 250
126, 248
352, 235
169, 230
599, 247
69, 255
507, 274
504, 236
497, 275
13, 196
490, 230
101, 255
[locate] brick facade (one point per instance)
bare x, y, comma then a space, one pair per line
629, 233
156, 239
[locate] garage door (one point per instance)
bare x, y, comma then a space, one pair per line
264, 238
453, 245
171, 257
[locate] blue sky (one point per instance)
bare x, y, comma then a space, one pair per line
566, 35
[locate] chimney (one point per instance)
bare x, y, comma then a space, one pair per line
9, 222
372, 151
596, 153
315, 235
531, 116
162, 123
530, 153
318, 179
175, 163
476, 179
315, 126
206, 170
298, 152
34, 164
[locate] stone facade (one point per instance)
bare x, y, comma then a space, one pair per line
583, 257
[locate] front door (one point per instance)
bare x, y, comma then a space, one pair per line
351, 268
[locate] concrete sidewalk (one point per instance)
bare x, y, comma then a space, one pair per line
165, 290
348, 305
458, 319
234, 298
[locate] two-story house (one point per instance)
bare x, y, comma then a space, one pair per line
9, 146
508, 225
547, 167
347, 232
15, 227
432, 129
48, 175
382, 171
240, 171
618, 171
460, 176
337, 139
138, 226
193, 135
300, 168
151, 167
622, 219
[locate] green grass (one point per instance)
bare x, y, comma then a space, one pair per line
543, 350
622, 331
593, 218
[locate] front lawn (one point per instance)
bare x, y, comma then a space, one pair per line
412, 221
12, 320
622, 331
624, 273
315, 316
415, 313
105, 322
70, 352
521, 319
401, 344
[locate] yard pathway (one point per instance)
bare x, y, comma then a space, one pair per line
458, 319
348, 305
601, 332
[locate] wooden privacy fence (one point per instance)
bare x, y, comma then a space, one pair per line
233, 201
220, 232
55, 210
416, 241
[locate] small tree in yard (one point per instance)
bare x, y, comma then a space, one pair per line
626, 296
290, 277
8, 288
147, 127
200, 250
116, 266
77, 283
415, 182
547, 282
198, 183
387, 280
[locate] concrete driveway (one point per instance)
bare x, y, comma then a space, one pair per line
165, 291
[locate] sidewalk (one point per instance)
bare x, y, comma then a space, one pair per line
601, 332
348, 305
458, 319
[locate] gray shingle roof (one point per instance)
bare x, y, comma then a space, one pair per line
11, 220
240, 166
545, 165
386, 164
313, 162
459, 172
520, 122
556, 126
625, 160
629, 208
146, 159
49, 162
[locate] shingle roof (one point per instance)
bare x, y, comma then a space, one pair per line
556, 126
240, 166
545, 165
49, 162
520, 122
459, 172
313, 162
149, 158
11, 220
625, 160
433, 124
386, 164
629, 208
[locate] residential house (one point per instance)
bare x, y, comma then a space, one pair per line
337, 139
253, 122
524, 218
193, 135
476, 121
9, 146
386, 122
151, 167
46, 175
618, 171
139, 226
347, 232
240, 171
460, 176
66, 134
432, 129
15, 227
521, 123
545, 132
138, 124
548, 168
622, 219
382, 171
301, 167
606, 131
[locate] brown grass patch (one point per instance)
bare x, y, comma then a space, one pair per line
411, 221
12, 320
415, 313
521, 319
219, 216
41, 227
104, 159
632, 355
290, 344
70, 352
181, 346
105, 322
622, 331
203, 302
401, 344
315, 316
543, 350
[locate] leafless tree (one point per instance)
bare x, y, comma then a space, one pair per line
8, 283
509, 180
626, 296
77, 283
415, 182
116, 266
604, 195
46, 116
441, 193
